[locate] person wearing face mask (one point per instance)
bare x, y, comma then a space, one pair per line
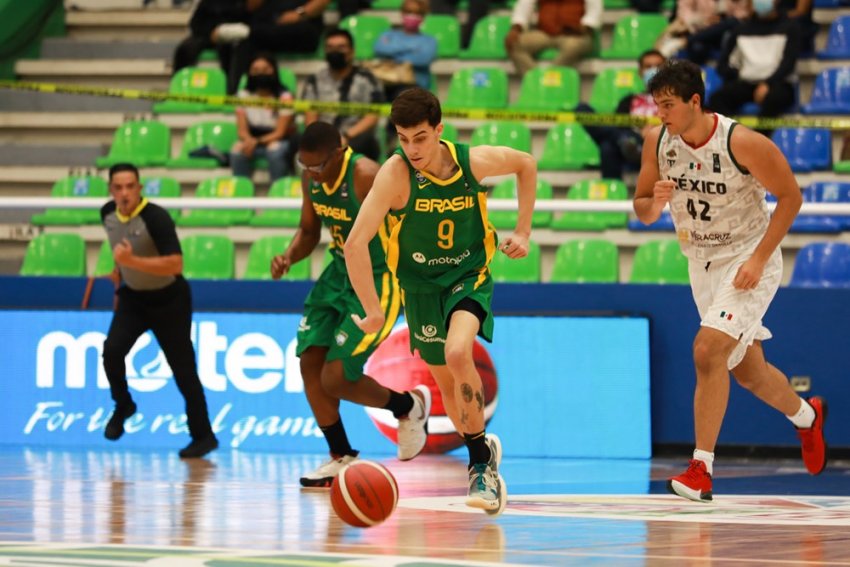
620, 147
409, 45
343, 81
757, 63
263, 132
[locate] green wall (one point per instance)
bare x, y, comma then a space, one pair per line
23, 24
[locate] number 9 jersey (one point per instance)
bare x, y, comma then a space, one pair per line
718, 207
443, 234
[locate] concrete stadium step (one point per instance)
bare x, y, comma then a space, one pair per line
72, 154
68, 48
20, 101
124, 25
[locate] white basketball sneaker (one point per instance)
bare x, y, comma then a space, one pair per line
487, 489
324, 476
413, 428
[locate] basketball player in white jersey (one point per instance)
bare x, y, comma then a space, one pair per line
713, 173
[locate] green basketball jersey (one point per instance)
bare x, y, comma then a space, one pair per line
337, 205
443, 234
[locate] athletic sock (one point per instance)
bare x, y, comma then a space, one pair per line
337, 439
805, 416
400, 404
707, 458
479, 452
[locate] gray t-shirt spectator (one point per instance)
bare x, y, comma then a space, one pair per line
359, 86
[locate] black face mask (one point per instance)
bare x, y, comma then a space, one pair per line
336, 60
262, 83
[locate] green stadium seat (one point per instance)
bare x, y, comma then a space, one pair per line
55, 254
208, 257
74, 186
208, 81
220, 188
515, 135
488, 39
549, 89
446, 30
660, 262
287, 77
365, 30
219, 135
634, 34
842, 166
586, 261
143, 143
105, 261
260, 258
568, 147
157, 188
386, 4
594, 190
478, 87
286, 188
506, 220
449, 132
611, 85
522, 270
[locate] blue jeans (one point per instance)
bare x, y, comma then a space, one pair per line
275, 153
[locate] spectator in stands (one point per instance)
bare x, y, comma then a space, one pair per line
408, 45
691, 16
476, 10
757, 63
343, 81
800, 12
264, 132
567, 25
282, 27
704, 44
215, 24
621, 147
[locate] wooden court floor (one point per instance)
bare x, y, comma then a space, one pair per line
122, 508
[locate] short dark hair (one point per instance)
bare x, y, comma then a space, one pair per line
320, 136
414, 106
679, 77
650, 53
119, 167
340, 32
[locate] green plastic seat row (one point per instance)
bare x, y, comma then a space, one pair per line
593, 190
586, 261
660, 262
521, 270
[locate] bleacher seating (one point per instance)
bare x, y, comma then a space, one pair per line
208, 257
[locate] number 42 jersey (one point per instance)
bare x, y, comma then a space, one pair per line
718, 207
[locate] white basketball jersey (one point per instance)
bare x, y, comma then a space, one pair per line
718, 209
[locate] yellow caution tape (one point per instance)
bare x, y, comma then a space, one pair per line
584, 118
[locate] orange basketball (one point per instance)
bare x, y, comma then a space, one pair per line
364, 494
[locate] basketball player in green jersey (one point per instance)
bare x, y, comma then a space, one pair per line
332, 348
440, 251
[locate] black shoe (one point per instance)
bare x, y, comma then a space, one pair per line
115, 427
199, 447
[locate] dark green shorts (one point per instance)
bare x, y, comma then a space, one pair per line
427, 314
327, 319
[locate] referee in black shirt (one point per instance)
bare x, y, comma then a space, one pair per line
152, 295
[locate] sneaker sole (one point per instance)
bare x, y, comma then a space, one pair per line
427, 400
489, 507
825, 409
679, 489
320, 483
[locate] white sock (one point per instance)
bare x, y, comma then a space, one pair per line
805, 416
707, 458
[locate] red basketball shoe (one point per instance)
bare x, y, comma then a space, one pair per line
814, 445
693, 484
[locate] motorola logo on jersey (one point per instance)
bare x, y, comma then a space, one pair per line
450, 260
419, 257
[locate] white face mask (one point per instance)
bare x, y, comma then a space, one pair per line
648, 73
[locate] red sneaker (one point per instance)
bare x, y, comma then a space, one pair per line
693, 484
814, 445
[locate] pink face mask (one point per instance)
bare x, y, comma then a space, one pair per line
411, 22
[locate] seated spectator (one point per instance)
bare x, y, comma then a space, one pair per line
620, 148
691, 17
757, 63
282, 27
800, 12
343, 81
263, 132
408, 45
703, 44
215, 24
567, 25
